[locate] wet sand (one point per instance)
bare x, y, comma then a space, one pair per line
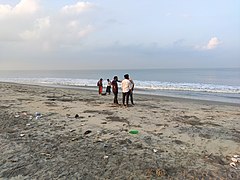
78, 134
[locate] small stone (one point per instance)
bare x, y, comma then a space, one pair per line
87, 132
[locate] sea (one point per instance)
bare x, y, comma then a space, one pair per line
220, 84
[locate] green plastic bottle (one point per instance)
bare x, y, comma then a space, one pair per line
133, 131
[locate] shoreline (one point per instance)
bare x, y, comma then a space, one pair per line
140, 92
66, 133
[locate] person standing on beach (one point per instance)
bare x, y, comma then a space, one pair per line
100, 86
115, 89
126, 86
108, 90
131, 90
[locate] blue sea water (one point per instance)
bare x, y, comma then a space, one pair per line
221, 84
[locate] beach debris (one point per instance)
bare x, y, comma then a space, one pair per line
99, 140
158, 172
232, 164
38, 115
47, 155
68, 115
125, 148
28, 124
71, 130
24, 113
87, 132
235, 161
30, 117
76, 116
74, 139
22, 135
182, 148
107, 145
133, 132
105, 157
16, 115
155, 150
104, 122
82, 124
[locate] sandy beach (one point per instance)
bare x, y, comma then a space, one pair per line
63, 133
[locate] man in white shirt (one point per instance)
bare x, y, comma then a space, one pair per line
126, 86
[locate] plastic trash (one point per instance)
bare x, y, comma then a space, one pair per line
105, 157
133, 131
155, 150
38, 115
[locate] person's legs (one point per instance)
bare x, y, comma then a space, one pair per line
127, 98
115, 101
100, 90
123, 98
131, 98
108, 90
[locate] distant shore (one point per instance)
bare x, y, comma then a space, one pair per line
66, 133
145, 92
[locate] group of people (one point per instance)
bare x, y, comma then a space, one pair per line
127, 89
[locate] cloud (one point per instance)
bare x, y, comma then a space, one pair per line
213, 43
23, 7
77, 8
23, 24
85, 31
41, 25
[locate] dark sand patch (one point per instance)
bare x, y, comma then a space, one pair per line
105, 112
117, 119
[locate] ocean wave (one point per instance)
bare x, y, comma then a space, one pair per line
144, 85
197, 87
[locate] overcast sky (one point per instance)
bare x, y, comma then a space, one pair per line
119, 34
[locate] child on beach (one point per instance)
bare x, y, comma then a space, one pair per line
108, 90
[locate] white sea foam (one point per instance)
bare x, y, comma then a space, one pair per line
144, 85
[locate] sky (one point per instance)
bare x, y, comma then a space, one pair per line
119, 34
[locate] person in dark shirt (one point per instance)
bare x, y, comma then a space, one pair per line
115, 89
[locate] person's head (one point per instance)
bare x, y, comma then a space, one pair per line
108, 80
126, 76
115, 78
101, 79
